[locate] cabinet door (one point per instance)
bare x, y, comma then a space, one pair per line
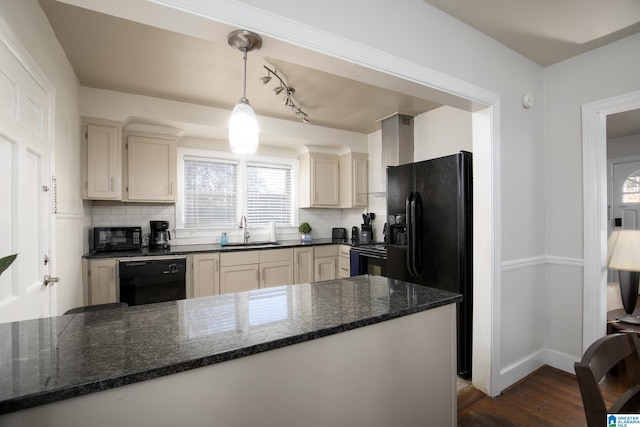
206, 274
151, 169
324, 181
102, 281
325, 268
303, 265
102, 170
354, 180
238, 278
276, 274
360, 182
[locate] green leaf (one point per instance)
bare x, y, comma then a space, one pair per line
6, 262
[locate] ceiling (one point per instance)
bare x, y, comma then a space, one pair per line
107, 52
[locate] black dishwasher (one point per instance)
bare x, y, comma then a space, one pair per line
153, 279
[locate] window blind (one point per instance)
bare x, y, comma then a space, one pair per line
210, 192
268, 193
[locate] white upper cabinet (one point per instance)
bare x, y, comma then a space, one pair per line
354, 180
319, 180
151, 168
101, 159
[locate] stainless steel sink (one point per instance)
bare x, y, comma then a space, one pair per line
240, 245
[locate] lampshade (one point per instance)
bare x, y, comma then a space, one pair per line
624, 250
243, 129
243, 125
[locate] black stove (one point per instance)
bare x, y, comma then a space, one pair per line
373, 249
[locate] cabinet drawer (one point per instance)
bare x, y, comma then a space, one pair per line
325, 250
344, 267
275, 255
345, 251
239, 258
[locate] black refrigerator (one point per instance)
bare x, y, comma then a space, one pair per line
430, 233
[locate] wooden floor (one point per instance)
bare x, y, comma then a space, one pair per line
548, 397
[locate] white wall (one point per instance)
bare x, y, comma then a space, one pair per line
440, 132
624, 146
603, 73
27, 21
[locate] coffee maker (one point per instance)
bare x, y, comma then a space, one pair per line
160, 235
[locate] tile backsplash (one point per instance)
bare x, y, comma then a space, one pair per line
109, 214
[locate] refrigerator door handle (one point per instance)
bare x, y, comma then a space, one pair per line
409, 222
416, 222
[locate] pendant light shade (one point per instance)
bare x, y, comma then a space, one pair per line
243, 125
243, 129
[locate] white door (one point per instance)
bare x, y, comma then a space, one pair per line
625, 207
24, 192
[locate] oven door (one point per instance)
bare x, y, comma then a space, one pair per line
368, 262
152, 279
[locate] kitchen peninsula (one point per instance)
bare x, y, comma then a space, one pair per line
366, 350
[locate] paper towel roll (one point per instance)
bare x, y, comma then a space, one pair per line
272, 231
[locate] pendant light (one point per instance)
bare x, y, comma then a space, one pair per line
243, 125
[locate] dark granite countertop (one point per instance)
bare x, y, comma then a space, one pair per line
214, 247
51, 359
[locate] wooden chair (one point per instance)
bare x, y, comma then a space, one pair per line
596, 362
97, 307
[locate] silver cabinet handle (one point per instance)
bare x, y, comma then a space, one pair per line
48, 279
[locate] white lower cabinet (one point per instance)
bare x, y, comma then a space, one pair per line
276, 267
303, 264
206, 274
325, 263
239, 271
100, 281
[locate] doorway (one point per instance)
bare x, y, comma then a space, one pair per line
594, 144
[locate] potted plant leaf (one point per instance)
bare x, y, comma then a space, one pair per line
5, 262
305, 232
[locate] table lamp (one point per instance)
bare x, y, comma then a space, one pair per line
624, 256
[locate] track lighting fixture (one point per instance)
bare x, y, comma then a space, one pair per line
243, 125
288, 94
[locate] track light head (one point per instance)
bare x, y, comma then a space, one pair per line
264, 80
278, 90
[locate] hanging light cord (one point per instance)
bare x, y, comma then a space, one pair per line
288, 97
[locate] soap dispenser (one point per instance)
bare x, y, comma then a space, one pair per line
223, 239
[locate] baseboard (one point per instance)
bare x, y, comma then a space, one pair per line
513, 373
561, 361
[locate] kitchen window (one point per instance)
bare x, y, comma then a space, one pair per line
216, 188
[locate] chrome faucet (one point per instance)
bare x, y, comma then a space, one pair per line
245, 225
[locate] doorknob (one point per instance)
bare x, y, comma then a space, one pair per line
48, 279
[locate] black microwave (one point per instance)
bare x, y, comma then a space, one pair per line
117, 238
